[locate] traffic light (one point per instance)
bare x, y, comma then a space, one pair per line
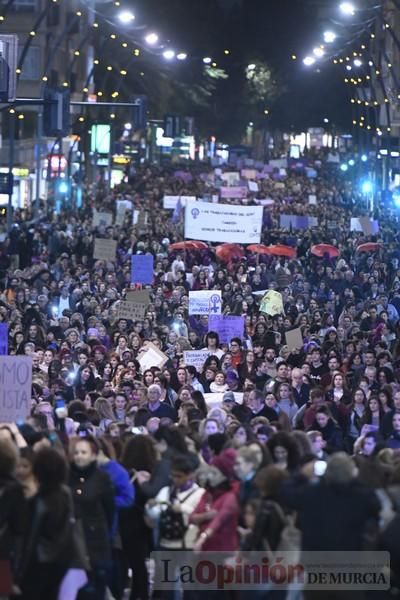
56, 113
139, 120
8, 67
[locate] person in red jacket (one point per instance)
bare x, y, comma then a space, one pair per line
217, 512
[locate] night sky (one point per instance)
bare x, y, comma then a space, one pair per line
269, 31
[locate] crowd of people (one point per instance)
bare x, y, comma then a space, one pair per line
115, 461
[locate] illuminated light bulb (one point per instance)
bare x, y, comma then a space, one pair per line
126, 17
168, 54
151, 39
318, 52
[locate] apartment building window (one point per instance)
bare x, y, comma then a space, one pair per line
32, 64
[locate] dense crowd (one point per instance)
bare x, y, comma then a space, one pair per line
116, 460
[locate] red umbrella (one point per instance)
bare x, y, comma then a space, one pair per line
189, 245
258, 249
321, 250
281, 250
199, 245
369, 247
226, 252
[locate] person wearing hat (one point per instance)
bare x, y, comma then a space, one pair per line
240, 411
217, 513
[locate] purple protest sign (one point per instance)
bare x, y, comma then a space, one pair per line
226, 326
184, 175
3, 339
142, 269
233, 192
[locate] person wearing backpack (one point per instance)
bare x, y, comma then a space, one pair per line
171, 508
169, 511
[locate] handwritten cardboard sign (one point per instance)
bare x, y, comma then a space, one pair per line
15, 388
105, 249
132, 311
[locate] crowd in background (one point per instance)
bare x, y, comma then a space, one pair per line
115, 461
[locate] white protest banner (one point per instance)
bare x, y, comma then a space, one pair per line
102, 218
214, 400
265, 201
122, 207
231, 177
139, 217
151, 356
253, 186
359, 224
170, 202
133, 311
104, 249
196, 358
223, 223
366, 225
205, 302
15, 388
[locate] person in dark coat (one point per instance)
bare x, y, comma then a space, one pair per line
47, 551
246, 464
331, 432
169, 442
335, 512
93, 496
13, 510
139, 456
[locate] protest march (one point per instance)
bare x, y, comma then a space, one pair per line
207, 370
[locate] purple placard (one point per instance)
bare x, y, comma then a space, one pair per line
186, 177
236, 191
142, 269
226, 326
3, 339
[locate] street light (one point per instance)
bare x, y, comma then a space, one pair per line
364, 158
357, 62
207, 60
126, 17
326, 120
181, 56
151, 39
344, 167
367, 187
329, 37
168, 54
309, 61
251, 67
319, 52
347, 8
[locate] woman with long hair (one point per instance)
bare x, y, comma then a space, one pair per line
47, 552
138, 456
372, 419
93, 497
